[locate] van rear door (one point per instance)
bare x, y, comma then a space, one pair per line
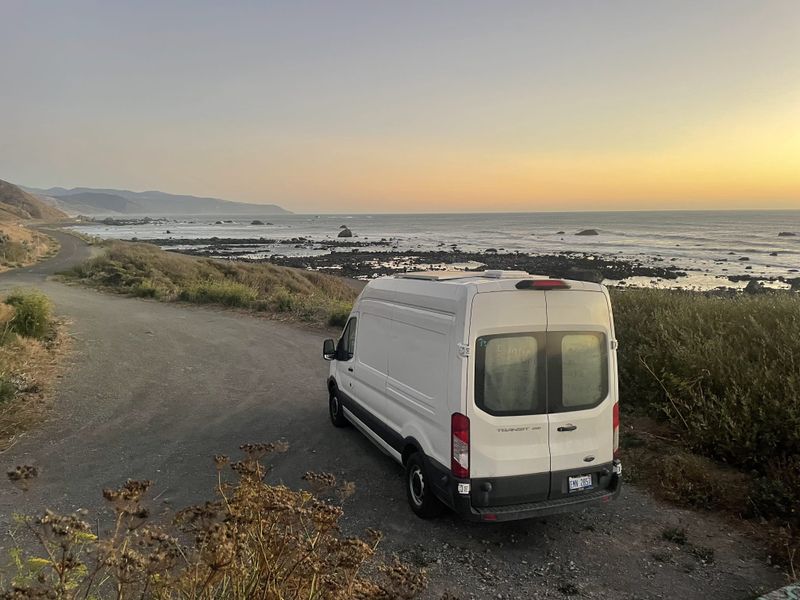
507, 385
581, 392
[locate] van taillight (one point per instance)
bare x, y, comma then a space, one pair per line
616, 429
459, 446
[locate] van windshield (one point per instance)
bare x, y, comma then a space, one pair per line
538, 373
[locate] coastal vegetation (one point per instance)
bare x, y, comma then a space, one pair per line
147, 271
711, 388
20, 246
31, 341
253, 540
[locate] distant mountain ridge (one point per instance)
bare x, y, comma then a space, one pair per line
104, 201
16, 203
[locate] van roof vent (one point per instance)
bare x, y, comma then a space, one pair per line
500, 274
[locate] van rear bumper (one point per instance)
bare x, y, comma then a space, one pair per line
446, 487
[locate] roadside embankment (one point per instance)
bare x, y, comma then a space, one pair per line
146, 271
710, 389
20, 246
31, 342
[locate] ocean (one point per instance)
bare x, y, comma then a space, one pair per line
708, 245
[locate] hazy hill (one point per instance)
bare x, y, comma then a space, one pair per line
16, 203
99, 201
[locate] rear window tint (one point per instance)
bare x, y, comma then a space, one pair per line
583, 370
536, 373
510, 375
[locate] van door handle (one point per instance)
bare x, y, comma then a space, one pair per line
568, 428
350, 369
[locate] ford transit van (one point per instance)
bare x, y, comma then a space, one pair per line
496, 390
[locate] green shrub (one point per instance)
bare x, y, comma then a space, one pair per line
147, 271
147, 288
7, 390
724, 371
338, 314
282, 300
32, 314
228, 293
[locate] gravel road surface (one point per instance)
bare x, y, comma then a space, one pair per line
154, 390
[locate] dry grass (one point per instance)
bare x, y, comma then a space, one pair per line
253, 540
20, 246
29, 367
147, 271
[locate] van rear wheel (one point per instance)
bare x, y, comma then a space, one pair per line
420, 494
335, 409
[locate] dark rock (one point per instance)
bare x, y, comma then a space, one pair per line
588, 232
773, 254
560, 232
256, 222
787, 234
585, 275
754, 286
745, 258
345, 233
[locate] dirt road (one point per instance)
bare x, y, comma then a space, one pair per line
156, 389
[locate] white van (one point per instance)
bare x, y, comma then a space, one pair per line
496, 390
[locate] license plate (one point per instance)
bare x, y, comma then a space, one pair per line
581, 482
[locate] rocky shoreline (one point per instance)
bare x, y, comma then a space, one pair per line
367, 258
361, 264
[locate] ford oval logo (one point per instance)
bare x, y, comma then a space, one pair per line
589, 458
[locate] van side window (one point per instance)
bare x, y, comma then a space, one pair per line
347, 343
510, 374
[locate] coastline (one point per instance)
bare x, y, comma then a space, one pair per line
364, 260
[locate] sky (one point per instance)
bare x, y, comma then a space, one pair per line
431, 106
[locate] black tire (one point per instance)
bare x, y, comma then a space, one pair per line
335, 409
420, 494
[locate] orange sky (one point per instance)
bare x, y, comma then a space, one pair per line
410, 107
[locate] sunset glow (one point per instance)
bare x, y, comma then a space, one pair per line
410, 108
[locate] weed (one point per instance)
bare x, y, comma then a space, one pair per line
704, 554
676, 535
32, 314
253, 540
7, 390
227, 293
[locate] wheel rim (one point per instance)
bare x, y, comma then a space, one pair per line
334, 406
416, 485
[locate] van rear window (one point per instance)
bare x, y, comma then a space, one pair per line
584, 372
538, 373
510, 375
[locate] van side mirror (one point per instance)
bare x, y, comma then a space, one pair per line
329, 349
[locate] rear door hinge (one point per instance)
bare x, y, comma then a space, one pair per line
614, 344
463, 350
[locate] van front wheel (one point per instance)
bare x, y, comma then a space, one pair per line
335, 409
420, 495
